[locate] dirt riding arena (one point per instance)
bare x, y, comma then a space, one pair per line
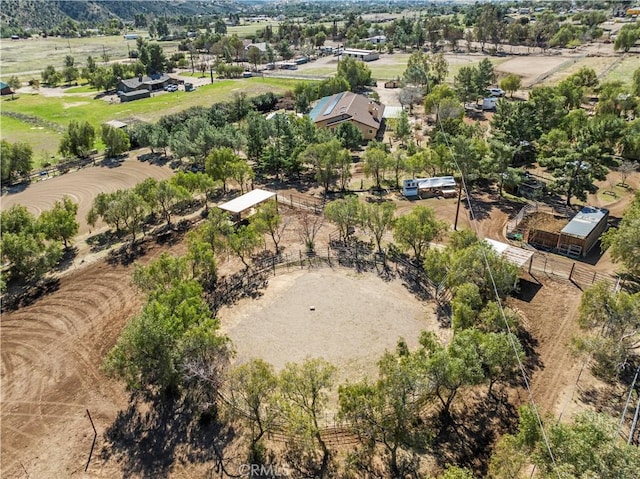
349, 319
83, 185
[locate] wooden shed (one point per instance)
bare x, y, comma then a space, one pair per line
575, 238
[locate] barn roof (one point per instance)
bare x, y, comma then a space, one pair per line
582, 224
246, 201
513, 254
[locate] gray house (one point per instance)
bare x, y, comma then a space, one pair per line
154, 82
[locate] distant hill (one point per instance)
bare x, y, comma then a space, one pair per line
45, 14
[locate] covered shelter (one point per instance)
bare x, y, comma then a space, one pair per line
583, 231
513, 254
246, 202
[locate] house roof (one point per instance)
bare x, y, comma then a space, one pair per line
246, 201
347, 105
3, 85
582, 224
357, 51
262, 46
153, 79
132, 94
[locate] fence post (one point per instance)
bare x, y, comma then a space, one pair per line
573, 266
595, 273
301, 265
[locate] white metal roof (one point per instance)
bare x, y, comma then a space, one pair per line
246, 201
514, 255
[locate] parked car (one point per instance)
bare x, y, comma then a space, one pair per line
171, 88
499, 92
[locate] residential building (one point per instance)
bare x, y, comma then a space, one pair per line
154, 82
5, 89
361, 111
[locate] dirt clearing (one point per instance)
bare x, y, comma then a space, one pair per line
347, 318
83, 186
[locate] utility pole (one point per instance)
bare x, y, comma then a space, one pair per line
455, 224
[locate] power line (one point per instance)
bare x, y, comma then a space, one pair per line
510, 336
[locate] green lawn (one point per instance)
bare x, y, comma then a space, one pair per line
81, 89
62, 110
44, 142
623, 71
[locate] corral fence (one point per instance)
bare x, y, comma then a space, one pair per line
309, 203
577, 273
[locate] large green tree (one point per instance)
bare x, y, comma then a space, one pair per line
78, 139
59, 223
415, 230
624, 241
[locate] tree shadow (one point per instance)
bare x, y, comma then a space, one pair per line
20, 296
102, 241
154, 433
126, 254
466, 437
527, 290
68, 256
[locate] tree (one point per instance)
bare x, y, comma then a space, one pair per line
17, 159
254, 56
588, 446
451, 368
511, 83
480, 265
387, 412
116, 140
349, 135
325, 158
410, 96
78, 139
417, 229
346, 214
157, 61
50, 76
403, 128
624, 241
14, 83
218, 165
355, 72
253, 389
485, 76
465, 84
267, 219
59, 223
376, 161
378, 219
425, 71
157, 349
304, 397
29, 255
625, 169
310, 225
244, 241
70, 72
627, 37
168, 196
612, 321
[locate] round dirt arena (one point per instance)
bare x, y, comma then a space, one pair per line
345, 317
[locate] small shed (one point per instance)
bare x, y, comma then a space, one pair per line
583, 231
246, 202
359, 54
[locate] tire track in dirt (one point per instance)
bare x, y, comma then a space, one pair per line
551, 317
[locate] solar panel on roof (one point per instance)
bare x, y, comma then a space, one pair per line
333, 104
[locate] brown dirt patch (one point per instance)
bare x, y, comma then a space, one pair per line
529, 68
544, 222
355, 318
84, 185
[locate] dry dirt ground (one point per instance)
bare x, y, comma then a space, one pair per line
347, 318
83, 185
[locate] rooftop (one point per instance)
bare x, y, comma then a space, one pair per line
246, 201
582, 224
347, 105
146, 80
513, 254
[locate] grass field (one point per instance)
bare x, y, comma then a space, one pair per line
623, 71
599, 65
62, 110
44, 142
28, 57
